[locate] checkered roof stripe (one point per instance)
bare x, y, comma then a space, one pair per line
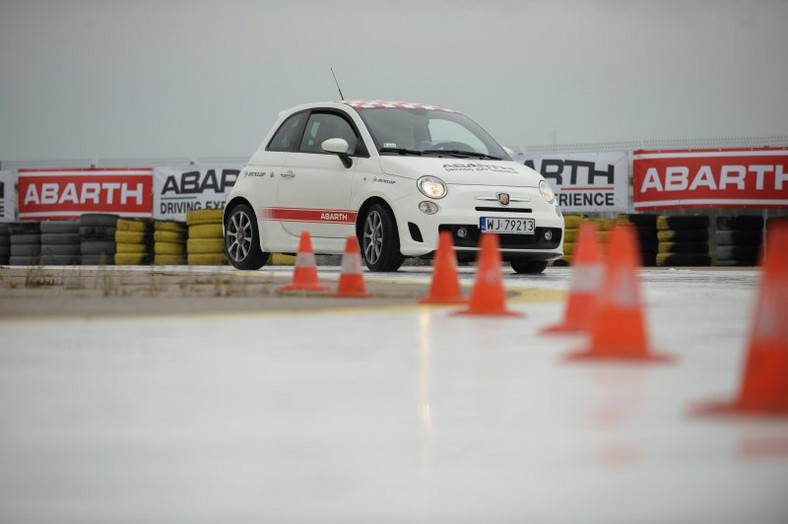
377, 104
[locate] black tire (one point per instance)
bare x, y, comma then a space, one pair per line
683, 222
98, 247
61, 260
25, 239
242, 239
683, 260
684, 235
60, 249
98, 260
24, 260
380, 240
740, 223
5, 230
97, 232
739, 238
19, 250
5, 251
738, 253
60, 238
99, 219
645, 220
60, 226
24, 228
699, 248
528, 267
5, 240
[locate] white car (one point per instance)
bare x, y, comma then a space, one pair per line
394, 175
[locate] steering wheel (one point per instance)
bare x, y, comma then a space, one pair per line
443, 146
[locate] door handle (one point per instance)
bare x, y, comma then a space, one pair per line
287, 174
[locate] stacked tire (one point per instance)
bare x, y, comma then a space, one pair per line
205, 245
648, 241
571, 225
97, 238
134, 242
738, 240
24, 243
683, 240
5, 243
169, 243
61, 244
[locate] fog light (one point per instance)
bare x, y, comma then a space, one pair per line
548, 235
462, 232
428, 208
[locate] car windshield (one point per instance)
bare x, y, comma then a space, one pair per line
428, 132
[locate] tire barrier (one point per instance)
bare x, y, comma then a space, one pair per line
24, 241
169, 243
97, 239
683, 240
205, 245
648, 242
5, 243
134, 242
738, 240
61, 243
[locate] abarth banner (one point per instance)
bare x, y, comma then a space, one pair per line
587, 182
7, 196
180, 189
710, 178
69, 193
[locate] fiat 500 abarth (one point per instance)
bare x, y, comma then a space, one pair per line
394, 175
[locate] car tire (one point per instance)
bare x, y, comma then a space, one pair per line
241, 223
528, 267
380, 240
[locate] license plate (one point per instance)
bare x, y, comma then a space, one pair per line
513, 226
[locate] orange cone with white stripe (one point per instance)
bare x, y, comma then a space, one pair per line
351, 281
305, 271
618, 330
588, 271
764, 388
488, 296
445, 286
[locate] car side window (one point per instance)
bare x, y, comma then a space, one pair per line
287, 134
322, 126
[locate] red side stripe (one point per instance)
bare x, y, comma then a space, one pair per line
324, 216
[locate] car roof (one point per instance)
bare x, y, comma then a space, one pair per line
379, 104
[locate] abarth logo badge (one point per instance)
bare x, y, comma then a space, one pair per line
503, 199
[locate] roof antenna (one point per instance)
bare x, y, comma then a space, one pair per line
337, 83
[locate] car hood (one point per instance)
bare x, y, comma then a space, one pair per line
462, 170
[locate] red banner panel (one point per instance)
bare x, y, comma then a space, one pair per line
710, 178
68, 193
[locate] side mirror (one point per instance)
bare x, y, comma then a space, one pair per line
339, 147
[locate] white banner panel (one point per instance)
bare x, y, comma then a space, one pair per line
7, 196
584, 182
176, 190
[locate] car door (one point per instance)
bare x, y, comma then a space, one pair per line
314, 188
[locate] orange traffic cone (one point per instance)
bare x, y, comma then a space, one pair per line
617, 330
488, 296
588, 271
305, 271
764, 388
351, 281
445, 286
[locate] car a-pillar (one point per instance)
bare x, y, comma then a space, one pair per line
376, 229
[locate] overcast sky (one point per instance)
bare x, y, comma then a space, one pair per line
142, 79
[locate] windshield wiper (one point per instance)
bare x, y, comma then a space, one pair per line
460, 153
400, 151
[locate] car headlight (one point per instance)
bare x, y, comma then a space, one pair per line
431, 186
547, 191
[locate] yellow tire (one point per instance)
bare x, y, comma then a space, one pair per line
206, 231
169, 236
280, 259
205, 246
168, 248
573, 221
131, 237
169, 225
124, 247
204, 216
125, 224
570, 235
169, 260
206, 259
132, 259
569, 248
